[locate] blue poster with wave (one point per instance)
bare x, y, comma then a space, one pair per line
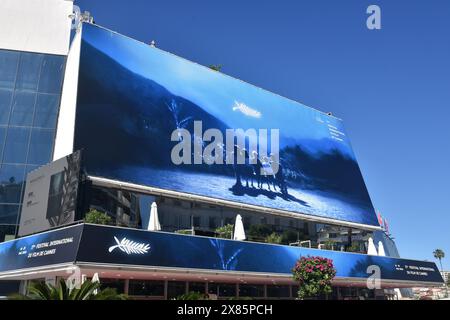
138, 106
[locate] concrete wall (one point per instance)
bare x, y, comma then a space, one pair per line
36, 25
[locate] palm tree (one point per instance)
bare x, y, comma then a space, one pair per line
440, 254
88, 291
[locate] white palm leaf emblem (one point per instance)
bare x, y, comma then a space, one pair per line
130, 247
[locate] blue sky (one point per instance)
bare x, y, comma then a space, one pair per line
390, 86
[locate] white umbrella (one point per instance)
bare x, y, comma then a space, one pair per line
371, 249
381, 249
95, 278
153, 223
239, 233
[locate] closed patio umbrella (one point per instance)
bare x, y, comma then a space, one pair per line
381, 249
371, 249
239, 233
95, 278
153, 224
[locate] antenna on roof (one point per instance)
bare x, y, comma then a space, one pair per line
153, 43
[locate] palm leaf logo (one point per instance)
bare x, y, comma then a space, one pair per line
130, 247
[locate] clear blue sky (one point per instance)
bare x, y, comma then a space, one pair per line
391, 86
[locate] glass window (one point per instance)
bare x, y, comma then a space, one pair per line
5, 105
117, 284
51, 74
9, 213
11, 182
16, 145
22, 108
28, 73
294, 291
197, 287
2, 140
8, 66
41, 146
146, 288
196, 221
175, 289
46, 111
212, 223
222, 289
7, 232
275, 291
251, 290
30, 168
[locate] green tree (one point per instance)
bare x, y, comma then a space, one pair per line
273, 238
97, 217
259, 232
289, 236
192, 295
215, 67
355, 247
439, 254
87, 291
225, 232
329, 244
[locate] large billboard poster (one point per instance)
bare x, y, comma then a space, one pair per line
101, 244
51, 195
148, 117
87, 243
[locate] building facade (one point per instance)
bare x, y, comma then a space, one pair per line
32, 62
92, 130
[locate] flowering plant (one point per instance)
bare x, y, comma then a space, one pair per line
314, 275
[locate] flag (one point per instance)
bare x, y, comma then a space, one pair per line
380, 219
386, 226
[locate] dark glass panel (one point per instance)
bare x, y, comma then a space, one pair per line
146, 288
51, 74
278, 291
11, 182
2, 141
117, 284
222, 289
251, 290
7, 232
22, 108
41, 146
29, 69
47, 106
8, 67
197, 287
5, 105
175, 289
16, 145
9, 213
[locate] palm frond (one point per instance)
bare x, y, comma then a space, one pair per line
129, 246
